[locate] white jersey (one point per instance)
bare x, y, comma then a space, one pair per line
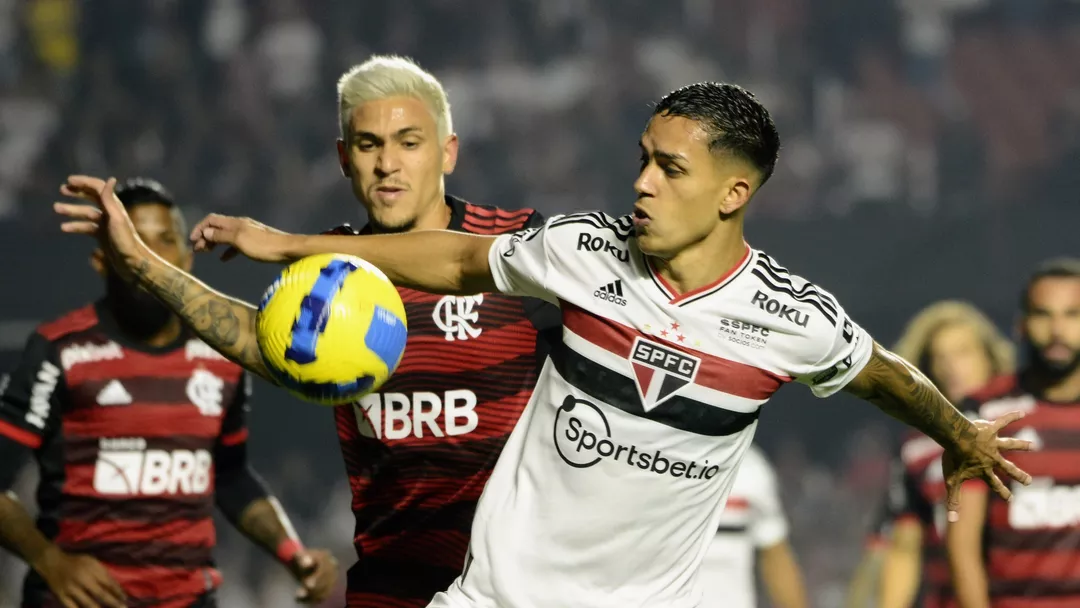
612, 484
753, 519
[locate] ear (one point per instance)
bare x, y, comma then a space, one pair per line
343, 158
97, 261
737, 195
450, 152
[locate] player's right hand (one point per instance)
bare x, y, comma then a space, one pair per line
242, 235
105, 218
80, 581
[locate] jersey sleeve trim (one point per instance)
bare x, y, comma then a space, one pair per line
235, 438
20, 436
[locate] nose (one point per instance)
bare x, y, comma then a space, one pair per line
387, 162
643, 185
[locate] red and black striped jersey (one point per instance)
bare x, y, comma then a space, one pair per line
419, 451
126, 437
917, 494
1032, 544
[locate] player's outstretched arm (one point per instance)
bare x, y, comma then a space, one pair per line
436, 261
972, 448
226, 324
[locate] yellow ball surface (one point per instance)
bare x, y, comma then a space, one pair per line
331, 328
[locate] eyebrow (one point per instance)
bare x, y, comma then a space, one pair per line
668, 156
399, 133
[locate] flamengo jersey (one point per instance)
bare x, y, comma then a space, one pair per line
753, 519
613, 483
1032, 544
917, 494
419, 451
125, 437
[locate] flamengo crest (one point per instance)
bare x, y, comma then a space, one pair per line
660, 371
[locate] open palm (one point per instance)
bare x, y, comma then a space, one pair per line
105, 218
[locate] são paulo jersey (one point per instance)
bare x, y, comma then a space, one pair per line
753, 519
613, 482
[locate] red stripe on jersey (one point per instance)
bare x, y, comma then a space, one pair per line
235, 438
18, 435
1059, 464
1053, 565
440, 548
520, 214
716, 373
1034, 602
679, 297
139, 365
427, 353
180, 532
75, 321
173, 586
141, 420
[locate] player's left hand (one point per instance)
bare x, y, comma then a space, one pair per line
316, 570
979, 458
105, 218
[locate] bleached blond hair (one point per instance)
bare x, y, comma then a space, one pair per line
914, 345
384, 76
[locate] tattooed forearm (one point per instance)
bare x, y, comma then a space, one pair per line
226, 324
903, 392
265, 523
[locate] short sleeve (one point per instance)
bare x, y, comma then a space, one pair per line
30, 400
30, 406
234, 428
769, 525
540, 261
844, 351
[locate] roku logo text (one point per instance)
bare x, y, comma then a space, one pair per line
420, 414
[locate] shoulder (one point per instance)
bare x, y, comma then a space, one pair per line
70, 323
782, 293
488, 219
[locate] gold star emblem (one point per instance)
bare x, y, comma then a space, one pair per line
648, 327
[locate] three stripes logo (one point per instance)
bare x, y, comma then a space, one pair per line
612, 292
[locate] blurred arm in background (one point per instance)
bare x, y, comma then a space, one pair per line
964, 540
777, 565
865, 581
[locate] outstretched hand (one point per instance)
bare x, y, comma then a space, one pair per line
241, 235
980, 458
104, 218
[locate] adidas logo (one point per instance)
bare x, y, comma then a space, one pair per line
612, 292
114, 393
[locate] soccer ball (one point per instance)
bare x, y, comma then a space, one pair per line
331, 328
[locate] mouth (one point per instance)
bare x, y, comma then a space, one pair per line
389, 191
641, 219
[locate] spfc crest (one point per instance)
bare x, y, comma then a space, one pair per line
660, 371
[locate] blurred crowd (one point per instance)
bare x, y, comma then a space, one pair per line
938, 108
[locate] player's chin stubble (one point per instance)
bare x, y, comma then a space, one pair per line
1054, 369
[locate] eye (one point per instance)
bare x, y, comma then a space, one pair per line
410, 145
365, 145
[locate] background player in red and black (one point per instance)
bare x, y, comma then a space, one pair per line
138, 429
960, 350
1026, 553
419, 452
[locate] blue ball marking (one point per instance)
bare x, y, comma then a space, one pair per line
325, 391
315, 311
386, 336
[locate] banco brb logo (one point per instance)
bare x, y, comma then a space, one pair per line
583, 438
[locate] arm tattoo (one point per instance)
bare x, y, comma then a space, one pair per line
903, 392
226, 324
265, 524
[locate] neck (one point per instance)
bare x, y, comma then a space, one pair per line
162, 337
706, 261
1058, 390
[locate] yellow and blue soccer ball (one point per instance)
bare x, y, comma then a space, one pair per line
331, 328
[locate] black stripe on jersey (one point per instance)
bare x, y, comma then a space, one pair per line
732, 529
86, 508
618, 391
378, 519
712, 291
800, 297
146, 553
1062, 590
399, 578
782, 276
622, 228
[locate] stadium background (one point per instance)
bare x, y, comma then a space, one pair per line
931, 150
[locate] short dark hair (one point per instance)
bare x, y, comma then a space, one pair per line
734, 119
136, 191
1057, 268
143, 190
